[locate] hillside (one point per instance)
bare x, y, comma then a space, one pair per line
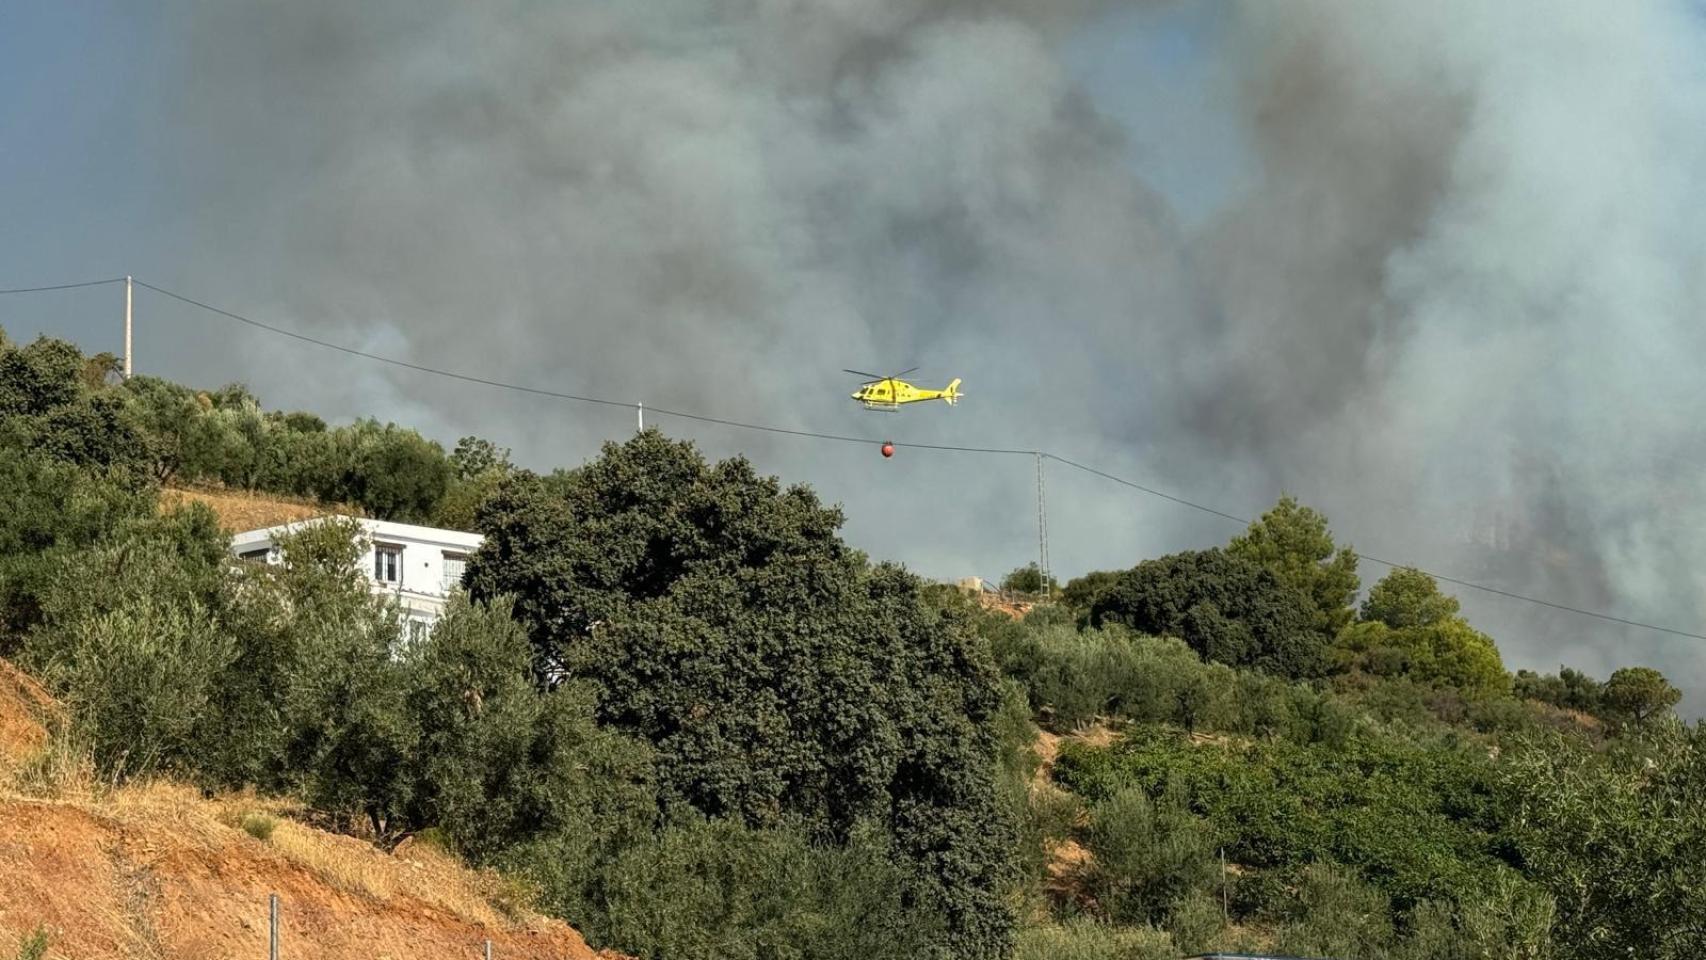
769, 745
156, 870
239, 511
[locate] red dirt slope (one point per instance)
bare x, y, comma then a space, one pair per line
157, 871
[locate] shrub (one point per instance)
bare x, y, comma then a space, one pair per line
1148, 855
514, 896
1086, 939
715, 890
1336, 915
1195, 920
259, 825
434, 838
1227, 608
34, 946
1419, 822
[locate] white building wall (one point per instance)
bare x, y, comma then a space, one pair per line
418, 570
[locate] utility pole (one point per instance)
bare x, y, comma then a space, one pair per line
272, 926
127, 328
640, 409
1042, 531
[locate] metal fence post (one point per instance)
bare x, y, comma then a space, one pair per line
488, 950
272, 926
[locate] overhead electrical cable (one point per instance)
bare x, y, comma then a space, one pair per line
539, 391
1149, 490
61, 286
1242, 521
840, 438
376, 357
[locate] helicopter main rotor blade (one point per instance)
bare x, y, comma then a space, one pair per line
862, 373
903, 373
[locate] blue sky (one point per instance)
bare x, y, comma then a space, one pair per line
75, 163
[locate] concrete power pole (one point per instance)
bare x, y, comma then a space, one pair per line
1042, 531
127, 328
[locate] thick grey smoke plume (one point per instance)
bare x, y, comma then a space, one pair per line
1458, 308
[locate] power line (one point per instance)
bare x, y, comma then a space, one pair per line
537, 391
1387, 563
376, 357
1149, 490
1545, 603
62, 286
840, 438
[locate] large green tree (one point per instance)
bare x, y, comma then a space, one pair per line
1410, 628
168, 414
499, 762
479, 466
1407, 597
1639, 694
1293, 541
1227, 608
1081, 593
50, 404
720, 617
49, 509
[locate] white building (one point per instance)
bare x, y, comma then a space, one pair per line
419, 567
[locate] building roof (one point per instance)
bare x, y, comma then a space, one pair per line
380, 529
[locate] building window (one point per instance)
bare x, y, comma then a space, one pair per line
455, 565
255, 556
388, 563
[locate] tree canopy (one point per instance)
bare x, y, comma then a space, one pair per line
1639, 694
1409, 628
720, 618
1407, 597
1226, 607
1293, 541
1029, 579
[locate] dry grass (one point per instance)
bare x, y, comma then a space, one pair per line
239, 510
25, 710
1015, 608
417, 872
156, 869
60, 769
39, 756
160, 853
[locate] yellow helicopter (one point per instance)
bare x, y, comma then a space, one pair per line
888, 393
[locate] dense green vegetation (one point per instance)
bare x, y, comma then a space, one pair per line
676, 704
776, 674
59, 402
1416, 801
693, 722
